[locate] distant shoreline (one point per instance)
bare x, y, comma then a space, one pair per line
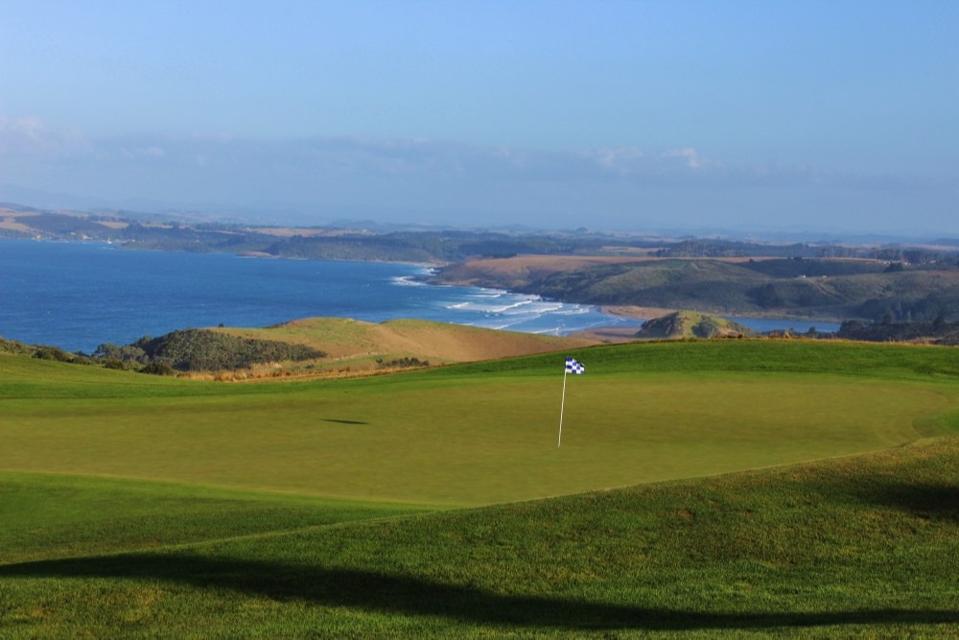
775, 292
260, 255
648, 313
633, 312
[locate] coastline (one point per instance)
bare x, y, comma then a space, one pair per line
132, 245
206, 289
431, 276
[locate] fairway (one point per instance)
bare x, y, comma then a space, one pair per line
452, 437
154, 507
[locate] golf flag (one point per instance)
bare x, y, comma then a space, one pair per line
572, 366
576, 368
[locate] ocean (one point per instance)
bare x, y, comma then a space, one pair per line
79, 295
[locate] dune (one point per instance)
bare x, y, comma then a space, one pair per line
374, 345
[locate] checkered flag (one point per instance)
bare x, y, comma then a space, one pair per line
576, 368
572, 366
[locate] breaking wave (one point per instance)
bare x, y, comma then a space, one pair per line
499, 309
407, 281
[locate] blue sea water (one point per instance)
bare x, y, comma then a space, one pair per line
79, 295
762, 325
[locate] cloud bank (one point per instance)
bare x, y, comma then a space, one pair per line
313, 180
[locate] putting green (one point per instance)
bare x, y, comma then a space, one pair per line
456, 437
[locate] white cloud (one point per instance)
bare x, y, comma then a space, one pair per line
151, 151
640, 163
693, 158
30, 135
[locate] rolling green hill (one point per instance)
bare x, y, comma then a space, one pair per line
140, 506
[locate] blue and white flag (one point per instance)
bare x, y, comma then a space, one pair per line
576, 368
572, 366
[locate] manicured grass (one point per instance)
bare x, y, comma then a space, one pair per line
48, 516
475, 434
297, 509
859, 547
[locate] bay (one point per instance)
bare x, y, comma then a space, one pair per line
79, 295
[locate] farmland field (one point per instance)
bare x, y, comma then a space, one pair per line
772, 486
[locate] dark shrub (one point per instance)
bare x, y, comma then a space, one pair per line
53, 353
159, 369
205, 350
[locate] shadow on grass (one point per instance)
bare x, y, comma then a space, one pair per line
408, 595
340, 421
925, 500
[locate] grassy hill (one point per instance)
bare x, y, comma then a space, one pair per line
144, 506
310, 347
396, 343
690, 324
834, 288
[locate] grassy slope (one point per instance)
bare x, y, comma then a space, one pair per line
50, 515
865, 546
359, 343
483, 432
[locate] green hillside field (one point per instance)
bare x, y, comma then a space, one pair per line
795, 487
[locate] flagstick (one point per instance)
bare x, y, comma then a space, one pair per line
559, 438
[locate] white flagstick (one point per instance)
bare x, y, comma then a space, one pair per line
559, 438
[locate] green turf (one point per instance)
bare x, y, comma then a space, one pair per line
296, 510
59, 515
866, 547
471, 435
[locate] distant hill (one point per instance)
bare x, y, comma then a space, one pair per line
813, 287
690, 324
167, 232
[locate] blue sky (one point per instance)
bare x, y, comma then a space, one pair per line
631, 115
